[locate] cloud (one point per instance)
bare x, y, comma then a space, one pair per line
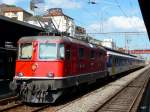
66, 4
10, 1
118, 23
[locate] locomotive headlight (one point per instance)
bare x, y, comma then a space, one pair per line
20, 74
34, 66
50, 74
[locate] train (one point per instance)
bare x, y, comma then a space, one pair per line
119, 62
48, 65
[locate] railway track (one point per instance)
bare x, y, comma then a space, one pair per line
8, 103
25, 108
7, 100
128, 99
13, 105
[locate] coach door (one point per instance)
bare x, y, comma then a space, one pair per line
68, 59
113, 65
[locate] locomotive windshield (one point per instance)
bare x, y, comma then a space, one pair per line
47, 51
25, 51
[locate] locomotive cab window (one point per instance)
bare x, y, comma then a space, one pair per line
25, 51
47, 51
61, 51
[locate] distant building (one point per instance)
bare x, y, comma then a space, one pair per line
14, 12
122, 50
55, 19
2, 6
62, 22
109, 43
80, 30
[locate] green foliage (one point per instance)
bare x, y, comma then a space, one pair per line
12, 5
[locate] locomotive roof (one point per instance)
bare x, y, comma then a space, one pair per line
58, 38
40, 38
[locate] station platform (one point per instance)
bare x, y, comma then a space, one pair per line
145, 101
4, 89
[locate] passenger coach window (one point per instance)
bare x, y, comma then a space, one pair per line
47, 51
25, 51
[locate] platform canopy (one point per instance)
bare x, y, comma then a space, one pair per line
11, 30
144, 5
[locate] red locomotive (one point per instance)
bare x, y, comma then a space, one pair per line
47, 65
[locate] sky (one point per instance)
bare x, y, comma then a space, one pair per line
104, 16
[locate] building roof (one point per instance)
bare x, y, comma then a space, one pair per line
12, 8
56, 12
2, 5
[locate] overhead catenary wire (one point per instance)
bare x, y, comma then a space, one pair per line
124, 13
132, 7
119, 32
119, 6
97, 17
121, 9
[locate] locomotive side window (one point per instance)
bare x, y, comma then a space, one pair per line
100, 55
81, 52
25, 51
61, 51
47, 51
68, 53
92, 54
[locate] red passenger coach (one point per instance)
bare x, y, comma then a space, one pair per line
47, 65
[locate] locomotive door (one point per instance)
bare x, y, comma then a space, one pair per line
68, 60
